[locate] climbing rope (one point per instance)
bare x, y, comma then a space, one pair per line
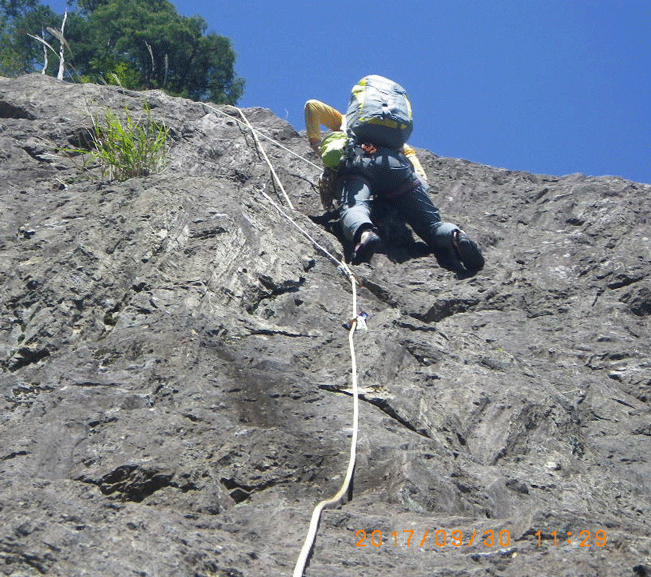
356, 320
259, 133
338, 497
264, 154
343, 267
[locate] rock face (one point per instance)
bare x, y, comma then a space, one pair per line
175, 377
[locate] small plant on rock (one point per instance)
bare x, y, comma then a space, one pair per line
126, 148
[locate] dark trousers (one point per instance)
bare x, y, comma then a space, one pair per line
414, 205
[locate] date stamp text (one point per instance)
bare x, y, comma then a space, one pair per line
485, 538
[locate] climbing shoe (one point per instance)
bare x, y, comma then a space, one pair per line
467, 251
367, 245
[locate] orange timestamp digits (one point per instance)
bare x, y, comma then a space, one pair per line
584, 538
489, 538
438, 538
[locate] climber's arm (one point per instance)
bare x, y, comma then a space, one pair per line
410, 153
316, 114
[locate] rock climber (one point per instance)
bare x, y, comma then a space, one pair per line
397, 177
318, 113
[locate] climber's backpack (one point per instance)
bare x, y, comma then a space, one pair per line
379, 112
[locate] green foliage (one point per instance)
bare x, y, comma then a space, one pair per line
87, 6
9, 61
116, 72
126, 148
143, 43
19, 53
14, 8
169, 51
125, 75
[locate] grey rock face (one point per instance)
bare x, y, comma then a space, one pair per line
175, 377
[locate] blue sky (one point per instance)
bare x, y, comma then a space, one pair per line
545, 86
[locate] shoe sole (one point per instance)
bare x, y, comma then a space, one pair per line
469, 254
366, 251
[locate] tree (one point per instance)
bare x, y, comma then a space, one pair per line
88, 6
19, 53
142, 43
166, 50
16, 8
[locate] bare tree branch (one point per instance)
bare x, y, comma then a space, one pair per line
45, 59
59, 36
62, 40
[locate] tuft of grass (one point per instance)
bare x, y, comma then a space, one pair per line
126, 148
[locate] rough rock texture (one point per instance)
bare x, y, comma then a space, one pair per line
175, 376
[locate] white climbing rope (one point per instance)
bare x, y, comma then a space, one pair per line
259, 133
338, 497
356, 319
264, 154
343, 267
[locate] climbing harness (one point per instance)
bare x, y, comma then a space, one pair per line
358, 321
